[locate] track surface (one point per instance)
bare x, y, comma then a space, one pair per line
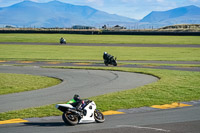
100, 64
86, 83
184, 120
179, 120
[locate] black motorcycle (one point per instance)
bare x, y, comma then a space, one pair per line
62, 41
111, 61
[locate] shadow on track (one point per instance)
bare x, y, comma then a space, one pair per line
46, 124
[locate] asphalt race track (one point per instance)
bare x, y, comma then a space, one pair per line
86, 83
101, 64
179, 120
97, 82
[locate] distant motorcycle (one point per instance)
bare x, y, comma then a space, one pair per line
89, 114
111, 61
62, 41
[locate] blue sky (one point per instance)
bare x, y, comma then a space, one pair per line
130, 8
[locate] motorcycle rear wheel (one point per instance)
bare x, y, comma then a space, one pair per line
98, 116
70, 118
105, 62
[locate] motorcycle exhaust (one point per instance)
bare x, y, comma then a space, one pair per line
77, 112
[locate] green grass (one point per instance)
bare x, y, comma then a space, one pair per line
13, 83
121, 39
43, 52
173, 86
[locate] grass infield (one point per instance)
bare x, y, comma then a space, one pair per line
111, 39
13, 83
64, 52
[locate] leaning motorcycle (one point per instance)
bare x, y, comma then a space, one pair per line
62, 41
89, 114
111, 61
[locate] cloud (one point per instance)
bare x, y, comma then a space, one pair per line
160, 0
4, 3
194, 0
96, 2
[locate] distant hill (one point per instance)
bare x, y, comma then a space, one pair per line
59, 14
182, 15
56, 14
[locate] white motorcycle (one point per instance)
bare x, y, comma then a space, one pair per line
89, 114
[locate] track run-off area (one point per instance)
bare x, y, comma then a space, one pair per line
176, 118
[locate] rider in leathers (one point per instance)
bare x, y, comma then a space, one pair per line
77, 103
107, 56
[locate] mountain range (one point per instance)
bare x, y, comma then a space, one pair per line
181, 15
55, 14
59, 14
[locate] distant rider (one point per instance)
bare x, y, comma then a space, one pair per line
77, 103
107, 56
62, 40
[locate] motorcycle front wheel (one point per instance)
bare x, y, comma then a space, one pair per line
115, 64
70, 118
98, 116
